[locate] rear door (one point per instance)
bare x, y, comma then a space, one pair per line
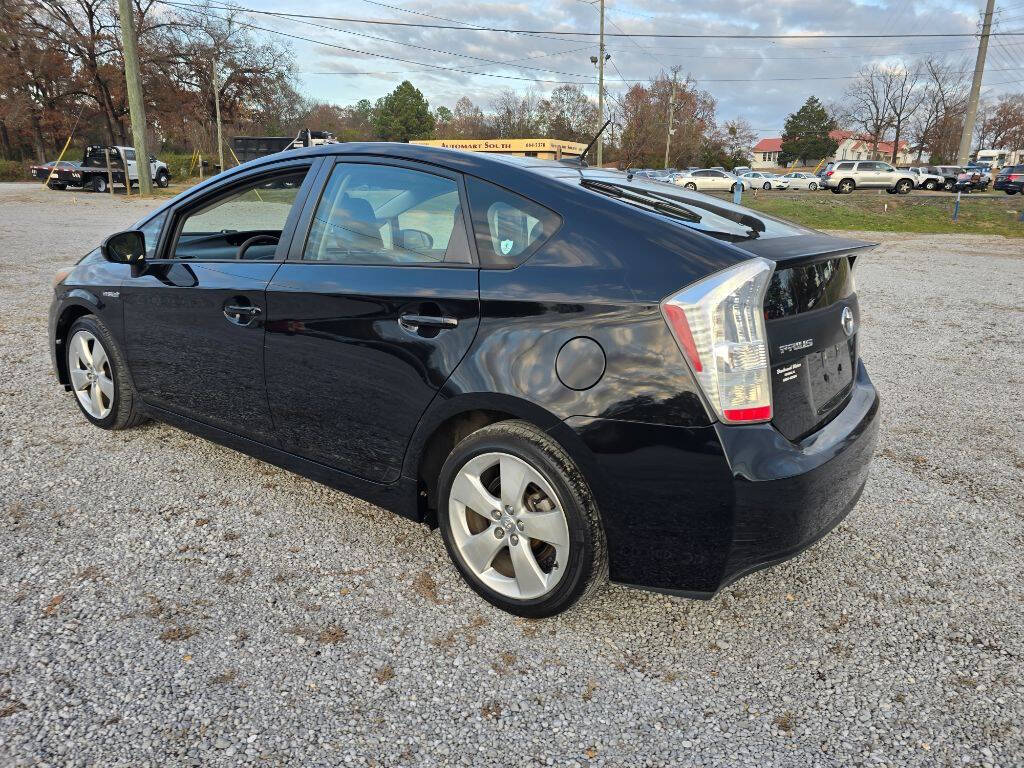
194, 319
375, 307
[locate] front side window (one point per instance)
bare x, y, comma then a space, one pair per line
257, 208
508, 228
129, 154
383, 214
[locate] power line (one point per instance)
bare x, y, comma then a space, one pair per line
560, 33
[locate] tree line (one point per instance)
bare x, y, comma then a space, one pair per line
62, 69
921, 104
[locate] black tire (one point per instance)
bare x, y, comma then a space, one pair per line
948, 186
56, 185
126, 410
98, 184
690, 186
733, 187
766, 185
890, 190
587, 566
162, 180
1011, 191
930, 185
903, 186
846, 186
813, 186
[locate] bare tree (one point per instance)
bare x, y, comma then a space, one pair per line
936, 125
869, 107
904, 93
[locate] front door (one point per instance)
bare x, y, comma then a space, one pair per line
370, 315
194, 319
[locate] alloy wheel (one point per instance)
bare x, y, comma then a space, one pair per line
509, 526
91, 376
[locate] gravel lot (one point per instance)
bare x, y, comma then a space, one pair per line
165, 601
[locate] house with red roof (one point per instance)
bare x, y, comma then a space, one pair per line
852, 146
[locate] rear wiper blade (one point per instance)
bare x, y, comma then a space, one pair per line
655, 202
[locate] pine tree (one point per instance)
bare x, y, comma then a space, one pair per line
403, 115
806, 134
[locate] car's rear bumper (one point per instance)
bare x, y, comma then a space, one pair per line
690, 510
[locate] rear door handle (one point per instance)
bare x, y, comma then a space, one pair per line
242, 314
413, 322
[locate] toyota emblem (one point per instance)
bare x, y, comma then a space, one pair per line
847, 321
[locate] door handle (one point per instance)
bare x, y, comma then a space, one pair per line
412, 323
242, 314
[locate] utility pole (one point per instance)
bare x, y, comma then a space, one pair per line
600, 89
671, 104
216, 107
136, 105
967, 137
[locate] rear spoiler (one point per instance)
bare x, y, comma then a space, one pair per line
805, 249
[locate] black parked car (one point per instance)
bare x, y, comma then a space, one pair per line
571, 374
1010, 179
46, 171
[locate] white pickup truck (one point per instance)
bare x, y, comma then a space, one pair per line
93, 174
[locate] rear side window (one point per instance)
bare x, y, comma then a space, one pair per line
844, 166
508, 228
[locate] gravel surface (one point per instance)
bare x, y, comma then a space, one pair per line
165, 601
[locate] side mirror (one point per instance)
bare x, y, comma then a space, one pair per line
128, 247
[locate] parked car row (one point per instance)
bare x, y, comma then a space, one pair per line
718, 179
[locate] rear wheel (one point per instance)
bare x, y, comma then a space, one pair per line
99, 376
813, 186
766, 185
98, 184
846, 186
1011, 191
903, 186
519, 521
733, 187
930, 185
948, 186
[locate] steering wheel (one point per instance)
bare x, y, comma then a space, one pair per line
264, 238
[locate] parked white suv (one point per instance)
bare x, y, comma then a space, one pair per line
869, 174
925, 178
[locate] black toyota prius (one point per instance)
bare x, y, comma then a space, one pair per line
574, 374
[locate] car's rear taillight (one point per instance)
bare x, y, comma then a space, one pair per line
828, 173
718, 323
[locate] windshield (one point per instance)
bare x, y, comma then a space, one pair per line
710, 215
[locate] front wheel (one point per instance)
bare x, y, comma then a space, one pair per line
930, 186
733, 188
519, 521
1011, 191
56, 185
690, 186
162, 180
766, 185
948, 186
813, 186
903, 186
99, 376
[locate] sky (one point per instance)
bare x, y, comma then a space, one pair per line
760, 81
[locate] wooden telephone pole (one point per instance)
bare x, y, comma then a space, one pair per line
136, 104
967, 137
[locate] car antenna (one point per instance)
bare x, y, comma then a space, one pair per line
593, 141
